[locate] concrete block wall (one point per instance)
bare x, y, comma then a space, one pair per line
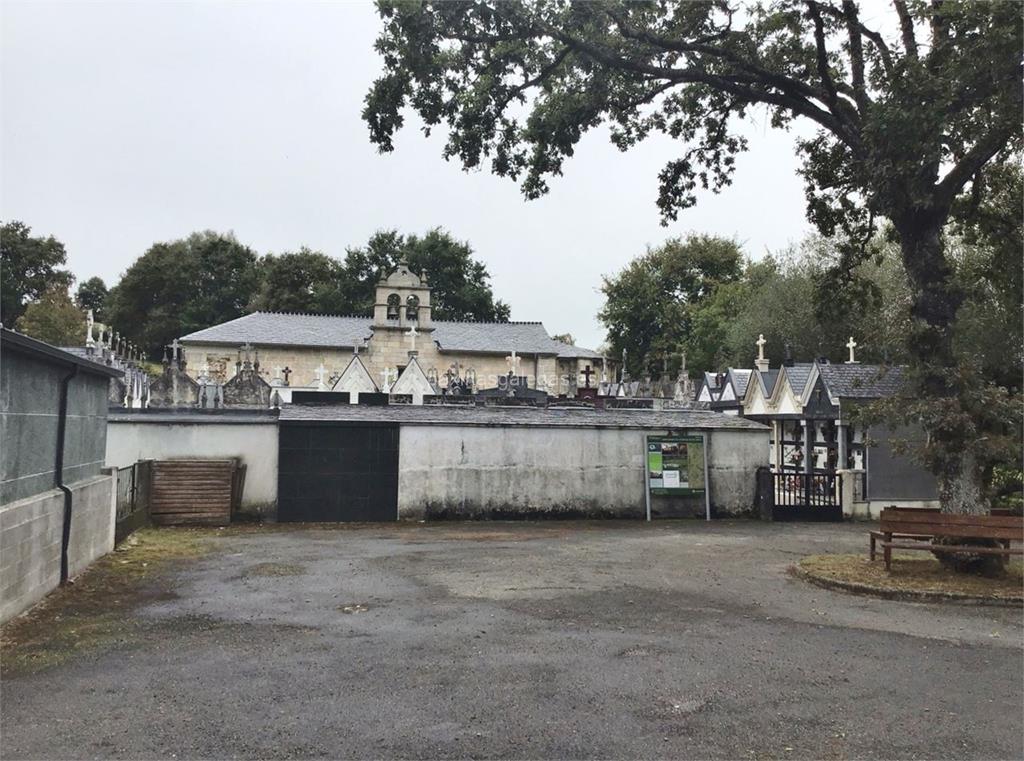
255, 443
30, 539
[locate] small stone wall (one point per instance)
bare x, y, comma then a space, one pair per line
30, 539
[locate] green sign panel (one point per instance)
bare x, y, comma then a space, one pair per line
675, 464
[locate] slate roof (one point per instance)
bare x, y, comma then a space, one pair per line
861, 381
11, 340
543, 417
286, 329
768, 380
292, 329
740, 381
798, 375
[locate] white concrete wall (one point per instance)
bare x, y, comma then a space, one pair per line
254, 443
30, 540
491, 472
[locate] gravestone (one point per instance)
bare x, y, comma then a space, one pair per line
174, 389
247, 388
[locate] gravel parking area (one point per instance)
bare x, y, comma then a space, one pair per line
515, 640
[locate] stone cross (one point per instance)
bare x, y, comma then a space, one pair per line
682, 365
247, 348
760, 346
386, 375
321, 373
287, 371
411, 334
513, 364
89, 322
175, 348
851, 345
587, 372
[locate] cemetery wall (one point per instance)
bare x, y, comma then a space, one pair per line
31, 384
462, 471
253, 440
30, 539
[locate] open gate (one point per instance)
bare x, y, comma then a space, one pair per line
807, 497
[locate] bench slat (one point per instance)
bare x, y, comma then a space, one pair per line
905, 516
945, 529
955, 548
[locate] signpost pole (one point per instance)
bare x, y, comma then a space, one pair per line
647, 479
707, 483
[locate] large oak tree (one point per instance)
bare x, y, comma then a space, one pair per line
911, 109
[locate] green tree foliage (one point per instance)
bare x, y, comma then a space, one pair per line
302, 281
649, 306
54, 318
912, 109
29, 267
92, 294
182, 286
459, 283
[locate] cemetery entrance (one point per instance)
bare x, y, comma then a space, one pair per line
336, 472
806, 496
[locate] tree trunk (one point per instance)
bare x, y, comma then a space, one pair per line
936, 302
936, 297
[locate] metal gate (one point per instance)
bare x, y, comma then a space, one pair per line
334, 473
807, 497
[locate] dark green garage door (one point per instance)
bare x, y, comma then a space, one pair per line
337, 473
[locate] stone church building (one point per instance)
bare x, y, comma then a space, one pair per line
308, 351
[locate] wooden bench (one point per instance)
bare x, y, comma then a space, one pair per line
914, 529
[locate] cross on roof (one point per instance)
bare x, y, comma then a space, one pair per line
851, 345
175, 346
760, 345
587, 372
287, 371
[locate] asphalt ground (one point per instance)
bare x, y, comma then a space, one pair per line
682, 639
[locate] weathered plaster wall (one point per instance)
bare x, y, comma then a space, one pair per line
498, 472
30, 539
255, 443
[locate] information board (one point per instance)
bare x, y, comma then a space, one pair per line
675, 465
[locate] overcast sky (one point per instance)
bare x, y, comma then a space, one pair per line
126, 124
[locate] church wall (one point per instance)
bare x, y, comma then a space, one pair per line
386, 349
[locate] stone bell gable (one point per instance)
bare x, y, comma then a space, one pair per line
402, 299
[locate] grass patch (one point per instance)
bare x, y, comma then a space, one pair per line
92, 613
913, 574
